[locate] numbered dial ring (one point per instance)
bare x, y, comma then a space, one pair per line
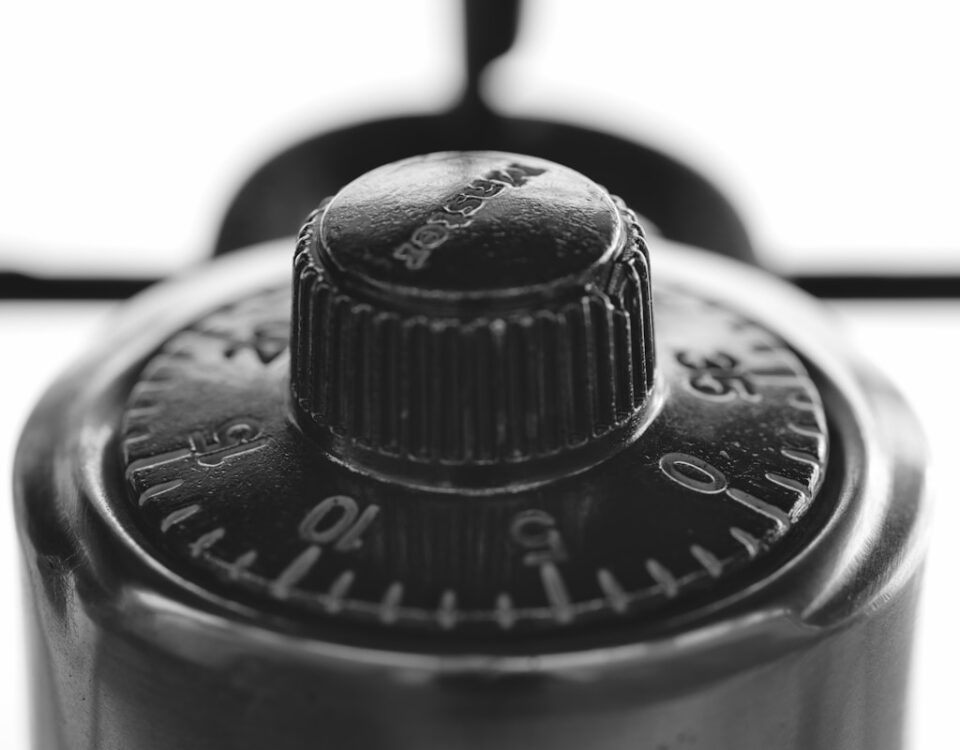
229, 493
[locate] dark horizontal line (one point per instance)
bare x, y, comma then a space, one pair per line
877, 286
18, 286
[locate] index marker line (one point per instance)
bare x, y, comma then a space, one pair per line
556, 592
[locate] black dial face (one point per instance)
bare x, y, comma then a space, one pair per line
230, 494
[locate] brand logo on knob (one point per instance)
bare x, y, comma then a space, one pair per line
458, 211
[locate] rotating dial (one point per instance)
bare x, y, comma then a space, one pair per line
230, 492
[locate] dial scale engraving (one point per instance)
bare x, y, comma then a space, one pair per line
232, 495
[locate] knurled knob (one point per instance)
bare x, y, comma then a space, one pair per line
471, 309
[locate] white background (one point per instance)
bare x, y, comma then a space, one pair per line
124, 129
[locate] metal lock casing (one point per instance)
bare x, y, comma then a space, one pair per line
808, 648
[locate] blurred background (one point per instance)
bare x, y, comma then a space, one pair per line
126, 129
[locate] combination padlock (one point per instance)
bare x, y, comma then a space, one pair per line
496, 470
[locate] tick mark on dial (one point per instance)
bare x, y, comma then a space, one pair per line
240, 564
178, 516
813, 433
750, 542
144, 412
805, 458
805, 431
295, 572
146, 387
789, 484
151, 493
152, 462
664, 578
708, 560
505, 614
133, 437
556, 592
447, 611
338, 590
390, 604
802, 401
612, 590
772, 512
206, 541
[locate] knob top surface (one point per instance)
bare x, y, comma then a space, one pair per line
469, 225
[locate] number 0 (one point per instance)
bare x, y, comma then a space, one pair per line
693, 473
